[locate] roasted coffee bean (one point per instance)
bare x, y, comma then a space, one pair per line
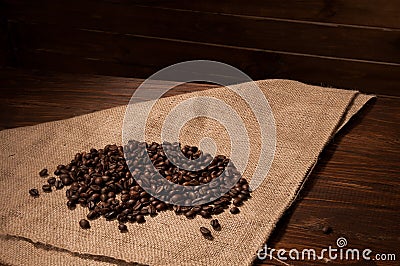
327, 230
110, 215
98, 180
205, 214
123, 228
234, 210
190, 214
66, 181
237, 201
206, 233
58, 185
122, 218
215, 224
152, 210
34, 192
91, 205
71, 205
46, 188
92, 215
84, 224
140, 218
51, 180
161, 206
43, 172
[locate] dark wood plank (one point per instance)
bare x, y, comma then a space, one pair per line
381, 45
48, 97
98, 52
355, 12
354, 188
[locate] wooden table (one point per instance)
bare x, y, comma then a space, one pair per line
355, 188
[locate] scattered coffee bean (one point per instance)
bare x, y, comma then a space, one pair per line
123, 228
327, 230
235, 210
140, 219
84, 224
51, 180
215, 224
58, 185
46, 188
43, 172
34, 192
206, 233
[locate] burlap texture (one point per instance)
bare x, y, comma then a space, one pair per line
306, 119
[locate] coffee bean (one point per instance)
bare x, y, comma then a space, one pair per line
34, 192
51, 180
46, 188
71, 205
58, 185
84, 224
237, 202
66, 181
122, 218
206, 233
110, 215
140, 218
43, 172
92, 215
215, 224
123, 228
205, 214
327, 230
235, 210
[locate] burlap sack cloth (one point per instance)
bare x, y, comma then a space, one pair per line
43, 231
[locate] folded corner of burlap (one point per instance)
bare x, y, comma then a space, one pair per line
42, 231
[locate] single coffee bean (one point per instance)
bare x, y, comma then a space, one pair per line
215, 224
327, 230
43, 172
58, 185
123, 228
237, 202
110, 215
140, 218
205, 214
34, 192
122, 218
152, 210
71, 205
235, 210
206, 233
92, 215
46, 188
51, 180
84, 224
66, 181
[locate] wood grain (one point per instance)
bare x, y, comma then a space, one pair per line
354, 188
378, 13
248, 32
96, 52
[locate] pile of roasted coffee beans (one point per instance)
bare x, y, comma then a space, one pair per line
101, 181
